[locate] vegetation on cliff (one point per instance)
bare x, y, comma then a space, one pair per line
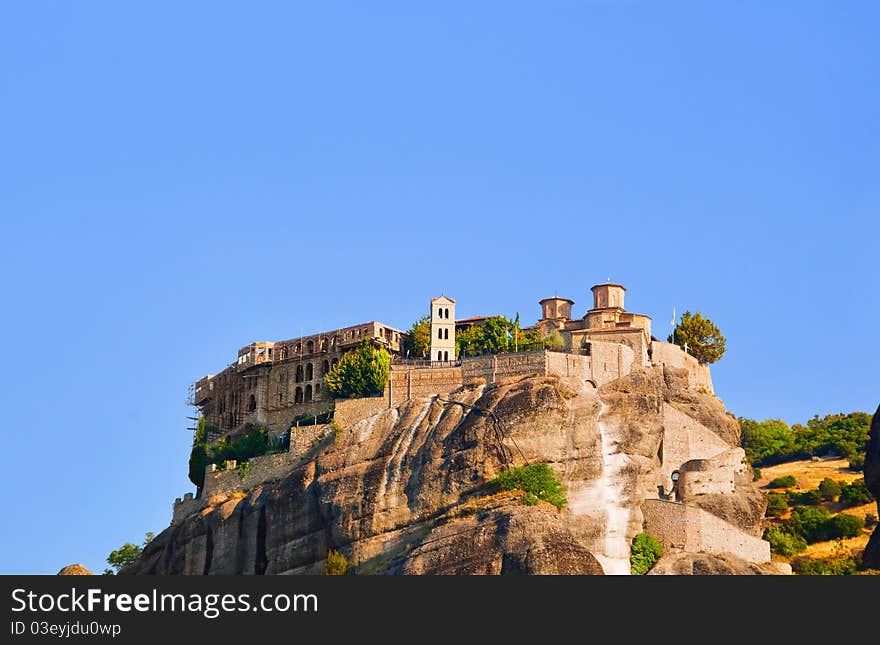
701, 336
537, 481
645, 550
361, 372
127, 554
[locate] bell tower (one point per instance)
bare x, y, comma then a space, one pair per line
442, 329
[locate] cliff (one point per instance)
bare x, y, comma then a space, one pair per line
871, 558
405, 490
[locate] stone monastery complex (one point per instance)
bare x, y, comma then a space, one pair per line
272, 383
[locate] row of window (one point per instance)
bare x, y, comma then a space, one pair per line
442, 312
442, 355
443, 334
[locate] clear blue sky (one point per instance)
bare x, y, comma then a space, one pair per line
180, 179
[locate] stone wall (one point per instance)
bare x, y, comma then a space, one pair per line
681, 527
413, 382
350, 411
303, 441
498, 366
699, 378
186, 507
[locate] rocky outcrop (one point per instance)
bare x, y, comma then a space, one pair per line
704, 564
872, 481
75, 570
405, 491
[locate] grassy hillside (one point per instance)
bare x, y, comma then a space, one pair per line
841, 555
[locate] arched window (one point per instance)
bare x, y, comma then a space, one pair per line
252, 403
445, 334
317, 389
324, 345
309, 373
440, 334
446, 313
325, 367
310, 346
299, 348
439, 355
308, 393
299, 374
445, 356
298, 397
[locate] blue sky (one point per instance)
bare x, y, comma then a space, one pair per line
180, 179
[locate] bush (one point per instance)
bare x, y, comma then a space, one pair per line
810, 523
756, 474
843, 565
644, 552
777, 505
855, 494
784, 543
536, 479
845, 526
857, 462
361, 372
337, 564
805, 498
253, 443
788, 481
829, 489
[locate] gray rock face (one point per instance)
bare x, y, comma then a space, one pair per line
703, 564
872, 481
405, 491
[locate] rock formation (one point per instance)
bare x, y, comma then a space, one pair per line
872, 481
75, 570
406, 490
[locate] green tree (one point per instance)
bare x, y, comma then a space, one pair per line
703, 338
417, 341
777, 505
829, 489
362, 371
198, 456
645, 550
127, 554
786, 481
766, 442
554, 341
844, 525
834, 434
783, 542
855, 494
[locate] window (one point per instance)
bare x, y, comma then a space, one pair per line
310, 346
309, 372
308, 393
445, 356
445, 334
317, 389
325, 367
446, 313
439, 334
299, 374
252, 403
